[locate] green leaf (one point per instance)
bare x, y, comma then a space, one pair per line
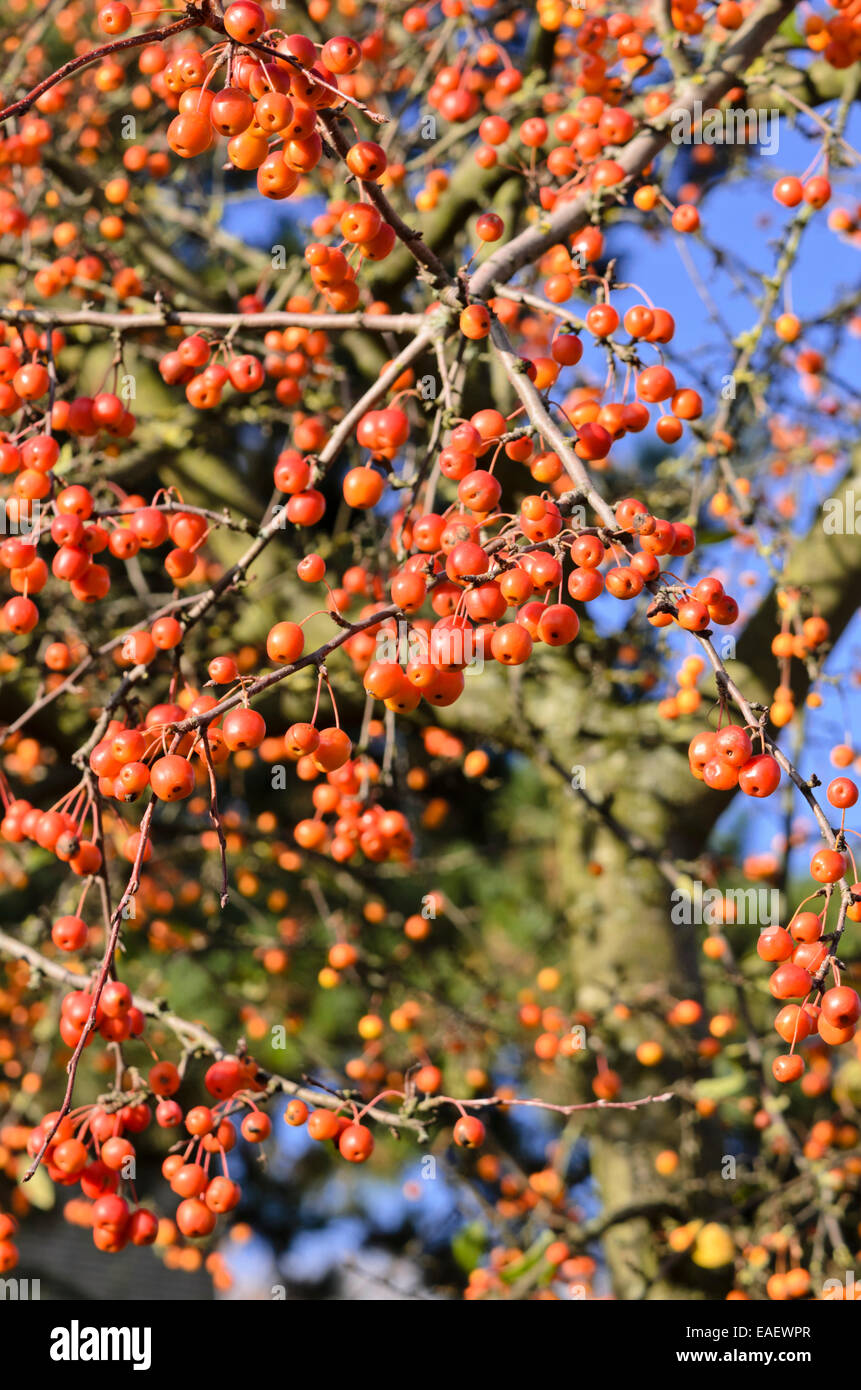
721, 1087
40, 1191
467, 1246
789, 30
532, 1257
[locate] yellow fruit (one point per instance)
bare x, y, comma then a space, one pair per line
713, 1246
